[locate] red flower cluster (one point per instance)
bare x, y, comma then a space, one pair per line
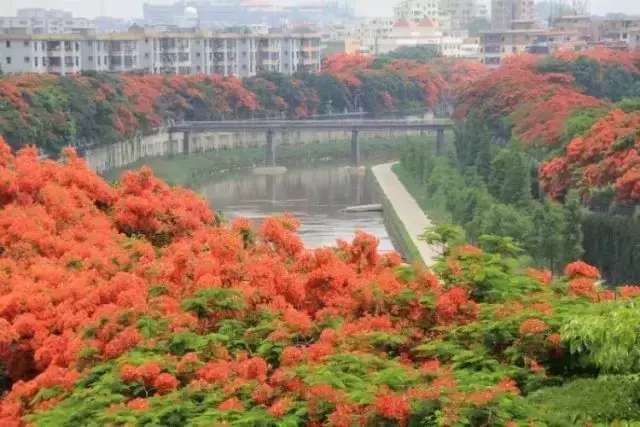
538, 103
606, 155
580, 269
533, 327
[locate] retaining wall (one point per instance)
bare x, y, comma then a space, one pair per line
165, 143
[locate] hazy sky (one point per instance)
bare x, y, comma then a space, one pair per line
133, 8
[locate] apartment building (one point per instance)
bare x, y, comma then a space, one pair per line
620, 29
455, 44
229, 54
458, 14
505, 12
417, 10
44, 21
495, 45
368, 33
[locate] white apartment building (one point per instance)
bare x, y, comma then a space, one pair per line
456, 44
417, 10
44, 21
228, 54
369, 32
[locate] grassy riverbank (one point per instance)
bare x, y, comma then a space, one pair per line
194, 169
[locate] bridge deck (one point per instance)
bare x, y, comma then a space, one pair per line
280, 125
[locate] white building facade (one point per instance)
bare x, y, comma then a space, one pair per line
228, 54
417, 10
44, 21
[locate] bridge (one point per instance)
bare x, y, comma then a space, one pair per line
270, 127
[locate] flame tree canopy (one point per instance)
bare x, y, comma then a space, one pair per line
53, 112
575, 111
134, 304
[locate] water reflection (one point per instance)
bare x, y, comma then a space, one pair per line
315, 196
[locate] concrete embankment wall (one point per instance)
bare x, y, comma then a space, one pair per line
404, 218
165, 143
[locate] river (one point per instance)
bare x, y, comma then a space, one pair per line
314, 195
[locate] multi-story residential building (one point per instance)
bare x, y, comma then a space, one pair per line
495, 45
575, 32
428, 32
417, 10
458, 14
44, 21
505, 12
406, 33
620, 29
229, 54
368, 33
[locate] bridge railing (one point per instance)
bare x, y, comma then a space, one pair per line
347, 124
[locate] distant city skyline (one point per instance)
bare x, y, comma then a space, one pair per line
133, 8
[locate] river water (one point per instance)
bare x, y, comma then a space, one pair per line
316, 196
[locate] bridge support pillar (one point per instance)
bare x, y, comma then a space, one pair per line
440, 141
355, 148
270, 155
186, 138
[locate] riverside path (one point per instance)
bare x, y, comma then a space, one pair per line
407, 210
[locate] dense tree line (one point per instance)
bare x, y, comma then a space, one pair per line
493, 194
558, 129
91, 109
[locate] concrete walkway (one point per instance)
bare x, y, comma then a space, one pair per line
407, 209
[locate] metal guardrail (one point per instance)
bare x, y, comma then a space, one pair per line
276, 125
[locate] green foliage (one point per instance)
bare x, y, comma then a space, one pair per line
580, 122
499, 202
607, 337
612, 243
444, 235
474, 148
422, 53
376, 89
599, 79
213, 300
509, 179
587, 401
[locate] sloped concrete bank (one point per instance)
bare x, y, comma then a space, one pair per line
405, 219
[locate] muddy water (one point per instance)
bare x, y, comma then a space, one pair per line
316, 196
